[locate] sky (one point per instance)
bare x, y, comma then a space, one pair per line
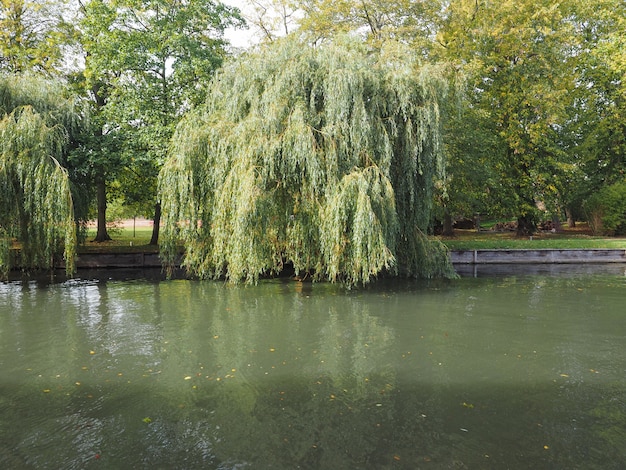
239, 38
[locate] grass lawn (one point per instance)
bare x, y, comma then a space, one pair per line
125, 240
578, 237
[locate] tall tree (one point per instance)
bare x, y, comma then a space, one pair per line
408, 21
32, 35
273, 18
153, 58
37, 125
322, 157
518, 56
599, 116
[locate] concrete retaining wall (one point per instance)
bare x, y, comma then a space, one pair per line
459, 257
545, 256
118, 260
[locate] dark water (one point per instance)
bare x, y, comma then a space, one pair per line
496, 372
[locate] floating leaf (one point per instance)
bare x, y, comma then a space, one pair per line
147, 420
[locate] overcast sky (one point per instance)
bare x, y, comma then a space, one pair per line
239, 38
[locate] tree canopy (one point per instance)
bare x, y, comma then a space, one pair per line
36, 209
32, 35
322, 157
147, 62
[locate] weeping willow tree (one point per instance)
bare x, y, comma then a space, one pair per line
320, 157
36, 209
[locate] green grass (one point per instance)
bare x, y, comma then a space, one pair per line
125, 240
577, 238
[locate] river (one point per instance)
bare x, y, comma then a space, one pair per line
512, 370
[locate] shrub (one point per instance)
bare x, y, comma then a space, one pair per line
606, 210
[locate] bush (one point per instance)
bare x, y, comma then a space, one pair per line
606, 210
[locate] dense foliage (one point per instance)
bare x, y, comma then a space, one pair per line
36, 208
323, 157
146, 62
606, 209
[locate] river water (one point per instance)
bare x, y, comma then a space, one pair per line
501, 371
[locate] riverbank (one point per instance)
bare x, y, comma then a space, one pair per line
458, 257
538, 256
130, 248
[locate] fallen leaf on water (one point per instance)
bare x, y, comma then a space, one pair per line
396, 457
46, 390
188, 377
147, 420
564, 375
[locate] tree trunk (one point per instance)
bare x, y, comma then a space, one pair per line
156, 224
101, 195
556, 223
525, 226
571, 222
448, 229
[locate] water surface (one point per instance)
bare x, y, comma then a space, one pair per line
508, 371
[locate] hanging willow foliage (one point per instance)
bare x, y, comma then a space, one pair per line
46, 97
36, 209
323, 157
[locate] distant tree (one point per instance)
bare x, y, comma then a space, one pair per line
322, 157
271, 19
37, 126
33, 34
147, 62
408, 21
599, 114
519, 59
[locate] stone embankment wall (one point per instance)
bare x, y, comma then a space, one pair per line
545, 256
458, 257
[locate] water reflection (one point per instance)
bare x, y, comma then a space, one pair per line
511, 372
548, 269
